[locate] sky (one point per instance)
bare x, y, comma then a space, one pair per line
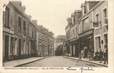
52, 14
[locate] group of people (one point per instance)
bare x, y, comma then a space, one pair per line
101, 56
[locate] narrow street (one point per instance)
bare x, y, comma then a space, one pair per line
58, 61
55, 39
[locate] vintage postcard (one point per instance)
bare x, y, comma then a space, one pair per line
56, 36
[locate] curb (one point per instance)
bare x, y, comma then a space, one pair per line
86, 61
29, 62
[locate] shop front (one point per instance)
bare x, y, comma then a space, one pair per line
74, 47
87, 44
67, 45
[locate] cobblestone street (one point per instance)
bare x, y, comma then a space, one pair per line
59, 61
72, 37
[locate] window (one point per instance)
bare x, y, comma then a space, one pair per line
105, 16
85, 10
28, 29
73, 32
6, 47
12, 46
19, 47
98, 44
4, 23
32, 32
106, 39
19, 24
24, 27
96, 23
97, 18
7, 15
105, 12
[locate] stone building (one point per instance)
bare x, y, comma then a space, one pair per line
19, 33
45, 42
92, 29
94, 26
22, 37
86, 34
59, 44
100, 24
72, 31
67, 30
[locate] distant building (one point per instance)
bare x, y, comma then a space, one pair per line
59, 43
45, 42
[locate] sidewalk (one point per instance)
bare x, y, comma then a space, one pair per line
19, 62
90, 61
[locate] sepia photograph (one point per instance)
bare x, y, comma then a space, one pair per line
55, 33
71, 35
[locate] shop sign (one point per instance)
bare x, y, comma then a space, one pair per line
86, 33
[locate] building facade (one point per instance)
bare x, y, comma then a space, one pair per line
59, 45
92, 29
94, 25
21, 35
45, 42
72, 33
18, 32
100, 23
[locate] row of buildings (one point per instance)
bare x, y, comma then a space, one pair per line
22, 37
87, 29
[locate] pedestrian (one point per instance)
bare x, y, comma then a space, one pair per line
89, 54
82, 54
85, 52
105, 55
96, 55
101, 56
92, 52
